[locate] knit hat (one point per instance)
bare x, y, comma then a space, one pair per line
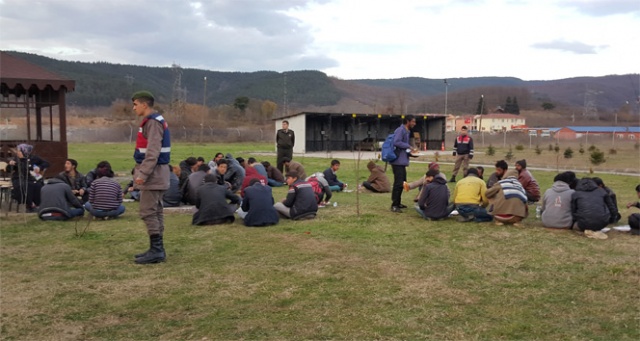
25, 149
522, 163
433, 165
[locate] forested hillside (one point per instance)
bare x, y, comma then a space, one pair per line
101, 84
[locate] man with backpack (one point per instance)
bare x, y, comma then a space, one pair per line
399, 166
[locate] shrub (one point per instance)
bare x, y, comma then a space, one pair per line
568, 153
509, 155
519, 147
637, 146
592, 148
581, 150
550, 147
597, 157
538, 150
491, 151
556, 148
613, 151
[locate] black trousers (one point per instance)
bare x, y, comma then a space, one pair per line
399, 176
368, 186
282, 153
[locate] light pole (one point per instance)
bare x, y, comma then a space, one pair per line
446, 97
204, 107
481, 110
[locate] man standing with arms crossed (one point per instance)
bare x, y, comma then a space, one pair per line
285, 140
463, 151
399, 165
151, 175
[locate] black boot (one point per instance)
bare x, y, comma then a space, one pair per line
156, 253
453, 179
144, 253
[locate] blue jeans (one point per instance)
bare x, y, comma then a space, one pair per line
477, 212
274, 183
335, 188
101, 214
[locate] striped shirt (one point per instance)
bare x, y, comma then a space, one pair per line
105, 194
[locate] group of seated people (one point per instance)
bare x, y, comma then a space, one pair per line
585, 204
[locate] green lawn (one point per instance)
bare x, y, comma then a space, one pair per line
375, 275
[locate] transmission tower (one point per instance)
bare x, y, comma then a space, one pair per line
178, 94
590, 110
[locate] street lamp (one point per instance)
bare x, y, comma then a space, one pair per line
446, 95
204, 107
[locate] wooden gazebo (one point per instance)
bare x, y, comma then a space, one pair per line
41, 95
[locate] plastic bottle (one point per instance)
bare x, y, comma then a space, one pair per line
538, 211
335, 204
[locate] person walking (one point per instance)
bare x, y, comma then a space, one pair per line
463, 152
151, 175
399, 165
285, 140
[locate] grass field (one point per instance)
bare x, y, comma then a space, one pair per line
375, 275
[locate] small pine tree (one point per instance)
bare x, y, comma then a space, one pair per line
597, 157
568, 153
581, 150
550, 147
491, 151
556, 148
592, 148
519, 147
509, 155
538, 149
613, 151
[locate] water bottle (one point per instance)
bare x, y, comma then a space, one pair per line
538, 211
335, 204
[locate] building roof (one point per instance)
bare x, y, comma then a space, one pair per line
15, 71
595, 129
358, 114
504, 116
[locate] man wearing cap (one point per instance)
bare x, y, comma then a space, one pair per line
463, 152
151, 174
527, 181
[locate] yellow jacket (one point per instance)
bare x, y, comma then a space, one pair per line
470, 190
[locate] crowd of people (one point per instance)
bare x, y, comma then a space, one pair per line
226, 187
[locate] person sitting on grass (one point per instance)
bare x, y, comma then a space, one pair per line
378, 182
528, 182
105, 199
433, 202
320, 188
470, 199
250, 174
501, 167
58, 201
300, 201
556, 202
418, 183
194, 182
615, 214
294, 166
215, 203
508, 200
332, 178
274, 175
591, 208
258, 166
173, 196
257, 205
634, 219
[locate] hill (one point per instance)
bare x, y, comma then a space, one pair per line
102, 83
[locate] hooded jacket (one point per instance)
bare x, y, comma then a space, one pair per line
251, 173
434, 199
56, 194
378, 179
556, 206
591, 206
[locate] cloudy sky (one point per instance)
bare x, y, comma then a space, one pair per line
349, 39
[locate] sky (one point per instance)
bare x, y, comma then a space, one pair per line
347, 39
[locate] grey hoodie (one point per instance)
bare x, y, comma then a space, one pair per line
556, 206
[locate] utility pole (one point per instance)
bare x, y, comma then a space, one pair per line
446, 95
481, 111
284, 100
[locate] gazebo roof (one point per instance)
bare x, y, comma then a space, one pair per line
15, 71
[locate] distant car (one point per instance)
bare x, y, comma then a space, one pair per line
368, 143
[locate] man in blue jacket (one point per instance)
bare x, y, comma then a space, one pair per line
399, 165
332, 178
257, 205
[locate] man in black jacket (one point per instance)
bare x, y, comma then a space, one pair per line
285, 140
75, 179
300, 201
58, 201
591, 206
257, 205
433, 201
211, 202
